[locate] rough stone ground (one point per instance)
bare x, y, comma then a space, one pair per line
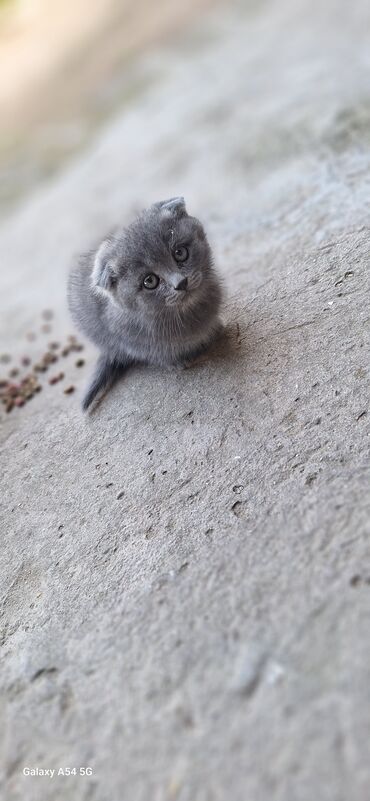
205, 636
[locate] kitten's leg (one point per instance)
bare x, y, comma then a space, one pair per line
105, 375
195, 361
201, 355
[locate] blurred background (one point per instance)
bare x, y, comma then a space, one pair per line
65, 67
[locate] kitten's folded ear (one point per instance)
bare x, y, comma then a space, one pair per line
174, 206
104, 276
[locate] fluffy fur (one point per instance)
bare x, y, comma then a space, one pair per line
130, 323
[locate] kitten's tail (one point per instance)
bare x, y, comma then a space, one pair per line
106, 374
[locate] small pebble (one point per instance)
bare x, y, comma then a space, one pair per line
65, 351
69, 390
13, 372
54, 345
5, 358
249, 670
25, 360
80, 362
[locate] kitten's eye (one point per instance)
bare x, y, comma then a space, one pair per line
151, 281
181, 254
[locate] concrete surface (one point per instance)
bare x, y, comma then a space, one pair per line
204, 636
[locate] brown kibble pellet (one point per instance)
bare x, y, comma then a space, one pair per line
31, 379
47, 314
54, 379
49, 358
80, 362
69, 390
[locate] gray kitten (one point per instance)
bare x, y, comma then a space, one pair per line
148, 294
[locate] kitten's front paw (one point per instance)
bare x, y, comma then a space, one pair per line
195, 362
179, 367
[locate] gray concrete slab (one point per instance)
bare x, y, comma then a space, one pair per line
185, 575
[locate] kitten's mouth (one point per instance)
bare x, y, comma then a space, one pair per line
179, 298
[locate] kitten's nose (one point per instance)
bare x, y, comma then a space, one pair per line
183, 284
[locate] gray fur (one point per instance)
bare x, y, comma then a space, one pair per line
131, 324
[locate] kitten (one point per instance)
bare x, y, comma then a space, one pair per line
148, 294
